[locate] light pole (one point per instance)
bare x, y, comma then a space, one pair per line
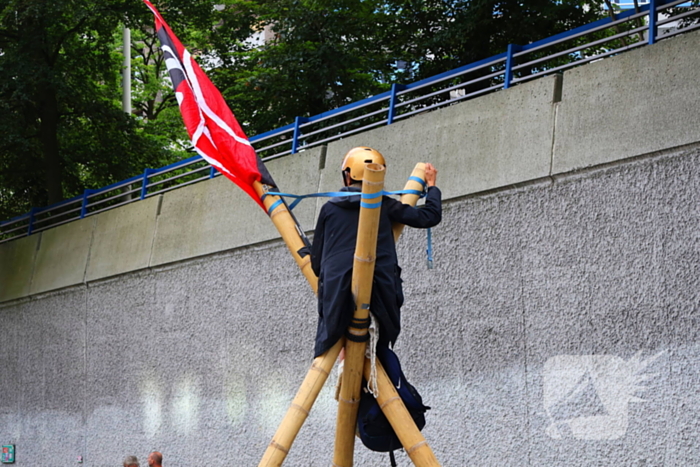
126, 72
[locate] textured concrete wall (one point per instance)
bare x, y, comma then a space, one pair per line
647, 102
560, 326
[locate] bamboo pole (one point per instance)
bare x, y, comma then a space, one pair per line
296, 415
410, 199
412, 440
290, 233
362, 275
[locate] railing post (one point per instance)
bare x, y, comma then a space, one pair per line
83, 207
395, 88
144, 183
30, 228
212, 172
653, 16
512, 48
297, 132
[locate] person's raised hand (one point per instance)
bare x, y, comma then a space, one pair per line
430, 174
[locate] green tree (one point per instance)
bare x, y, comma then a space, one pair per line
59, 103
319, 55
323, 54
433, 36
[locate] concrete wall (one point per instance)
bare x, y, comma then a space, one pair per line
559, 327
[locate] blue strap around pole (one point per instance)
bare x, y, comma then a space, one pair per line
417, 179
274, 206
373, 205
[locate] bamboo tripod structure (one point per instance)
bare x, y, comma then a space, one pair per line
411, 438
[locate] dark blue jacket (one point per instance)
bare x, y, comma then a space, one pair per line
332, 256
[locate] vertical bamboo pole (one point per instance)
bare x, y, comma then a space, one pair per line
296, 415
362, 275
410, 199
288, 229
412, 440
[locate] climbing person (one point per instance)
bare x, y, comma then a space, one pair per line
333, 248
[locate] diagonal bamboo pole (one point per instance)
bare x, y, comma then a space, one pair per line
296, 415
290, 232
362, 275
406, 430
410, 199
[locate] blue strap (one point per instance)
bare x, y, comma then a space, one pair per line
371, 195
298, 198
374, 196
429, 251
406, 192
337, 194
419, 180
363, 196
274, 206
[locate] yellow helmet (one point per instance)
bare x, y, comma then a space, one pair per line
356, 159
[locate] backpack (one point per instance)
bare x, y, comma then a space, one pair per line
373, 428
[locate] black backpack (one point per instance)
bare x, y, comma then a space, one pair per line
374, 429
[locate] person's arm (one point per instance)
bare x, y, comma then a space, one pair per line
428, 215
422, 217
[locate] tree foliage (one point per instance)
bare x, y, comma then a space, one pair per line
326, 53
61, 60
64, 130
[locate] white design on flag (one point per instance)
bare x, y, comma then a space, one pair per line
192, 78
173, 63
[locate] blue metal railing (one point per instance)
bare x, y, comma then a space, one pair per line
629, 29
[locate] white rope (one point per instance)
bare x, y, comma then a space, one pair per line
371, 353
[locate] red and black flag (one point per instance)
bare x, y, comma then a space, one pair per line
214, 131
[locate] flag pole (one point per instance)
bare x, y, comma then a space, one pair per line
290, 231
356, 343
395, 410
